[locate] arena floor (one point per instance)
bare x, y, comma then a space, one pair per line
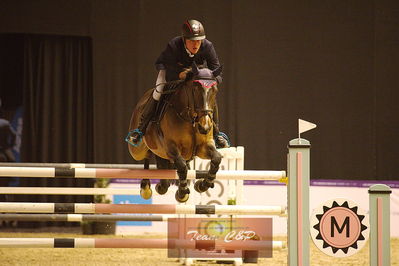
64, 257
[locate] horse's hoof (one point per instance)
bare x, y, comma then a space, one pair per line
161, 189
181, 197
146, 193
200, 187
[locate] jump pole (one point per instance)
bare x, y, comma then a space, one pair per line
77, 165
68, 191
39, 207
380, 237
298, 167
54, 172
45, 217
137, 243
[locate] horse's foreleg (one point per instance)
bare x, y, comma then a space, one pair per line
164, 184
216, 159
208, 181
183, 192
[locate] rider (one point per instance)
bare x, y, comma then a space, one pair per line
173, 64
7, 140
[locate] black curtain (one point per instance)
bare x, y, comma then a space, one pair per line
58, 99
58, 109
332, 63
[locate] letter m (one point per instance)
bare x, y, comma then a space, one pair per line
340, 229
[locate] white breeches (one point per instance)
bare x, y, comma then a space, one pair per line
159, 85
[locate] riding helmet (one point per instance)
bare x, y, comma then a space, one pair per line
193, 30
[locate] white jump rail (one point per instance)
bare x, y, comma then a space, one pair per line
52, 172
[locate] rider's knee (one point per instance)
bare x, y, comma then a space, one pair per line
159, 85
157, 93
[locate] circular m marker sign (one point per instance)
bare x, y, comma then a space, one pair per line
339, 227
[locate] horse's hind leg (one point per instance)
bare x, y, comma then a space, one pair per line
164, 184
208, 181
145, 184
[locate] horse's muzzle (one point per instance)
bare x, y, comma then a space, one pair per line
204, 125
203, 130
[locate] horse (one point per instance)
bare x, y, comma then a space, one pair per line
183, 129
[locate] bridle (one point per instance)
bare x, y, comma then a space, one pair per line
198, 112
193, 113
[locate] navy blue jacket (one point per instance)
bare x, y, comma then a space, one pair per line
174, 59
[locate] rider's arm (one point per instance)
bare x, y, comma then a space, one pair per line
168, 60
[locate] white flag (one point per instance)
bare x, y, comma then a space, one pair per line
304, 126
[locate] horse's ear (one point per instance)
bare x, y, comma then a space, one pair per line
217, 71
194, 69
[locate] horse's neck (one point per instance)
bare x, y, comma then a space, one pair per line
181, 103
182, 100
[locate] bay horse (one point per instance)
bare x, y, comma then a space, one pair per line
184, 129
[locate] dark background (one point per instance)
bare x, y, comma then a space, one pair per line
334, 63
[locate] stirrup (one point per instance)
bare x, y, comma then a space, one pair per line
223, 135
129, 135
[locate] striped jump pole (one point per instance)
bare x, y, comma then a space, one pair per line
33, 207
49, 172
77, 165
138, 243
68, 191
380, 237
45, 217
298, 167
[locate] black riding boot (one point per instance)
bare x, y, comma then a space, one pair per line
146, 116
221, 139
